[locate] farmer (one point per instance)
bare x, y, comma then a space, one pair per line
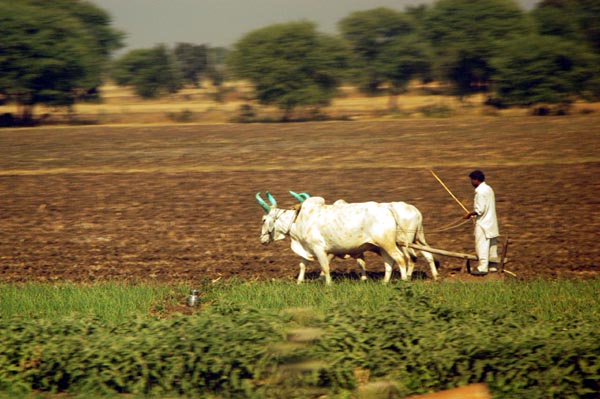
486, 225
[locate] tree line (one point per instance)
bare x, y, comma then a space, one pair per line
57, 53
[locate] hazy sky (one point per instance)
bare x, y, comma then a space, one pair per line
222, 22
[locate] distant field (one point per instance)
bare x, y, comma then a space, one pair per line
199, 105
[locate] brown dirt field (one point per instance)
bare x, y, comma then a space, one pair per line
176, 203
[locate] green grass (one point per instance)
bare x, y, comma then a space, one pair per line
113, 302
543, 299
109, 302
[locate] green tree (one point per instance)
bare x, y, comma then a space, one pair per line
52, 53
370, 33
400, 61
588, 12
192, 61
574, 20
96, 22
542, 69
151, 72
466, 34
570, 19
557, 18
290, 65
217, 64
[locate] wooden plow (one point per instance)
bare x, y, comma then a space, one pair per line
467, 257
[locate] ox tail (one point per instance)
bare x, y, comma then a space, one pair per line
420, 239
408, 251
420, 236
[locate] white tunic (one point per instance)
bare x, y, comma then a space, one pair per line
485, 206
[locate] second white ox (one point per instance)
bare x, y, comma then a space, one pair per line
409, 230
319, 231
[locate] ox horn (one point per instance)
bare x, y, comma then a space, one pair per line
262, 202
271, 199
300, 197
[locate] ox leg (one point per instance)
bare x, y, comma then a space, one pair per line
363, 267
410, 260
432, 266
396, 256
389, 261
420, 239
402, 267
321, 273
324, 262
303, 264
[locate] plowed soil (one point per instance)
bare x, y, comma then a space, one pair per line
176, 203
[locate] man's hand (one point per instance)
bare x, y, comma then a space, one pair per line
470, 215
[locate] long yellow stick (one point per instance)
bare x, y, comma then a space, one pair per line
449, 192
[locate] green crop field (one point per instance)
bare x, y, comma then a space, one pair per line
535, 339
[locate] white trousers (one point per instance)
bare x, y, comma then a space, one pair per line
487, 249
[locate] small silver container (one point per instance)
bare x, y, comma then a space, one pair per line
194, 298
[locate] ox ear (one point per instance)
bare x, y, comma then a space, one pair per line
262, 203
271, 199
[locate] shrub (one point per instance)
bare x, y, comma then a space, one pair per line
185, 116
413, 339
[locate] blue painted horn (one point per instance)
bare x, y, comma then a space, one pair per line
271, 199
300, 197
262, 203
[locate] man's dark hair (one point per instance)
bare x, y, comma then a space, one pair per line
477, 175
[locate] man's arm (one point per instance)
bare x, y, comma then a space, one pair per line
470, 215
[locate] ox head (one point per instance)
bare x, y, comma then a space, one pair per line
269, 232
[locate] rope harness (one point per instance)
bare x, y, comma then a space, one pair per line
450, 226
280, 213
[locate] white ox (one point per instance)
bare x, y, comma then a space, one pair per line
409, 230
320, 232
